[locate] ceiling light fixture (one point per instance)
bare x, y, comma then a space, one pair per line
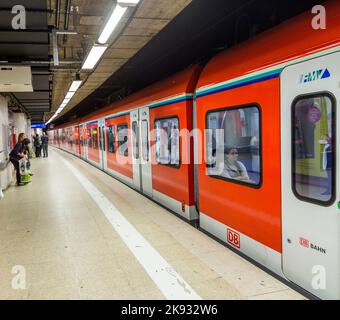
69, 95
75, 85
112, 23
93, 57
128, 2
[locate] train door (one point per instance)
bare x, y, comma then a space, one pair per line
145, 151
310, 200
86, 141
81, 141
102, 144
77, 141
135, 134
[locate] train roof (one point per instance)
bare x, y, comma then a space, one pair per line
288, 41
183, 82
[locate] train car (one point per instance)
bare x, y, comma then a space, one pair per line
119, 140
264, 180
269, 108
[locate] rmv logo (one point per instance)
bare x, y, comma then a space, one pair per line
314, 75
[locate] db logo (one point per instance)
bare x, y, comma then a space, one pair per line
233, 238
304, 242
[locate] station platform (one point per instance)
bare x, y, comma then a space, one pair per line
80, 234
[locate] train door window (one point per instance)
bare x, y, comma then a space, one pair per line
145, 140
123, 148
81, 136
100, 138
90, 142
233, 144
313, 151
76, 136
167, 141
135, 139
111, 139
95, 138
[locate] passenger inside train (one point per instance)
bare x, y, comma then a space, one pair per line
234, 169
233, 144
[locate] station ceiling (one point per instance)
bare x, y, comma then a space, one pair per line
28, 47
156, 39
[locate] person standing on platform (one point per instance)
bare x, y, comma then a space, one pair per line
29, 154
37, 145
15, 156
44, 143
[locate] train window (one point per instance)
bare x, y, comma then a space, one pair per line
90, 138
145, 140
167, 141
111, 139
233, 144
94, 138
123, 148
81, 136
135, 140
313, 151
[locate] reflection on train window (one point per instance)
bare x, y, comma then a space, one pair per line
69, 137
63, 136
94, 138
123, 148
167, 141
233, 141
81, 137
313, 148
55, 137
135, 140
111, 139
145, 140
89, 138
76, 136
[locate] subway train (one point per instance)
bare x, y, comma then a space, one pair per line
246, 146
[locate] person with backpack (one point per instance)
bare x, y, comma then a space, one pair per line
15, 156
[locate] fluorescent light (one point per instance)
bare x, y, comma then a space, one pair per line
112, 23
66, 101
69, 95
128, 2
94, 56
75, 85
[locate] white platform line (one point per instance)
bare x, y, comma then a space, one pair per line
170, 283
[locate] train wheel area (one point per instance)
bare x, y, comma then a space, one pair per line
75, 232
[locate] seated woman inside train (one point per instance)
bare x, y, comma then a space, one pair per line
234, 169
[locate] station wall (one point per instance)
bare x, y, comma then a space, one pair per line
11, 124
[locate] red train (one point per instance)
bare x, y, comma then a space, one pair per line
260, 122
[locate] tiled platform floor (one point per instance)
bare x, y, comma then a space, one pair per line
69, 250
